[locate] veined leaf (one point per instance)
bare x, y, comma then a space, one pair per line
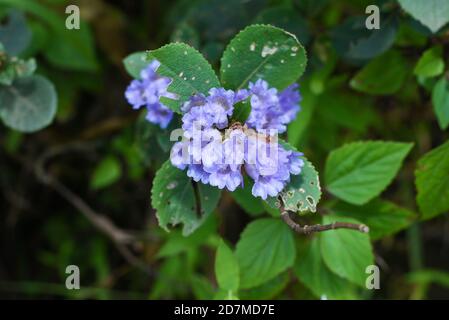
382, 217
226, 268
265, 249
190, 72
360, 171
262, 52
346, 252
177, 202
303, 192
432, 182
311, 270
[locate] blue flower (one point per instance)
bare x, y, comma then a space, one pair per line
270, 166
220, 158
271, 109
289, 103
146, 92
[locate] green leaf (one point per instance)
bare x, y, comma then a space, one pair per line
311, 270
213, 51
440, 101
15, 34
431, 63
225, 295
346, 252
107, 172
71, 49
178, 200
265, 249
434, 14
383, 218
303, 192
246, 200
267, 290
360, 171
29, 104
177, 243
262, 52
348, 110
383, 75
354, 42
185, 33
135, 62
286, 18
432, 182
190, 72
202, 288
226, 268
242, 111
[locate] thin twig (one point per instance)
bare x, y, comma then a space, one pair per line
121, 238
321, 227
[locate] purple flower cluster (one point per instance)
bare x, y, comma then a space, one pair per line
271, 109
219, 158
146, 92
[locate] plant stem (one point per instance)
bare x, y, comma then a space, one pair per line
320, 227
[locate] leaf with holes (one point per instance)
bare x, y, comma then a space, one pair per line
303, 192
265, 249
189, 71
29, 104
262, 52
360, 171
178, 200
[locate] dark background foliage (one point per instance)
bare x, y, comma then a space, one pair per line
99, 156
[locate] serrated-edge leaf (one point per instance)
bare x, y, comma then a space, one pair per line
299, 195
346, 252
280, 84
174, 198
266, 248
432, 182
188, 80
337, 179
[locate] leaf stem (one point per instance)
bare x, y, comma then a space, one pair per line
320, 227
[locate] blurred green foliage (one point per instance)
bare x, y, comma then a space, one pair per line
389, 84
